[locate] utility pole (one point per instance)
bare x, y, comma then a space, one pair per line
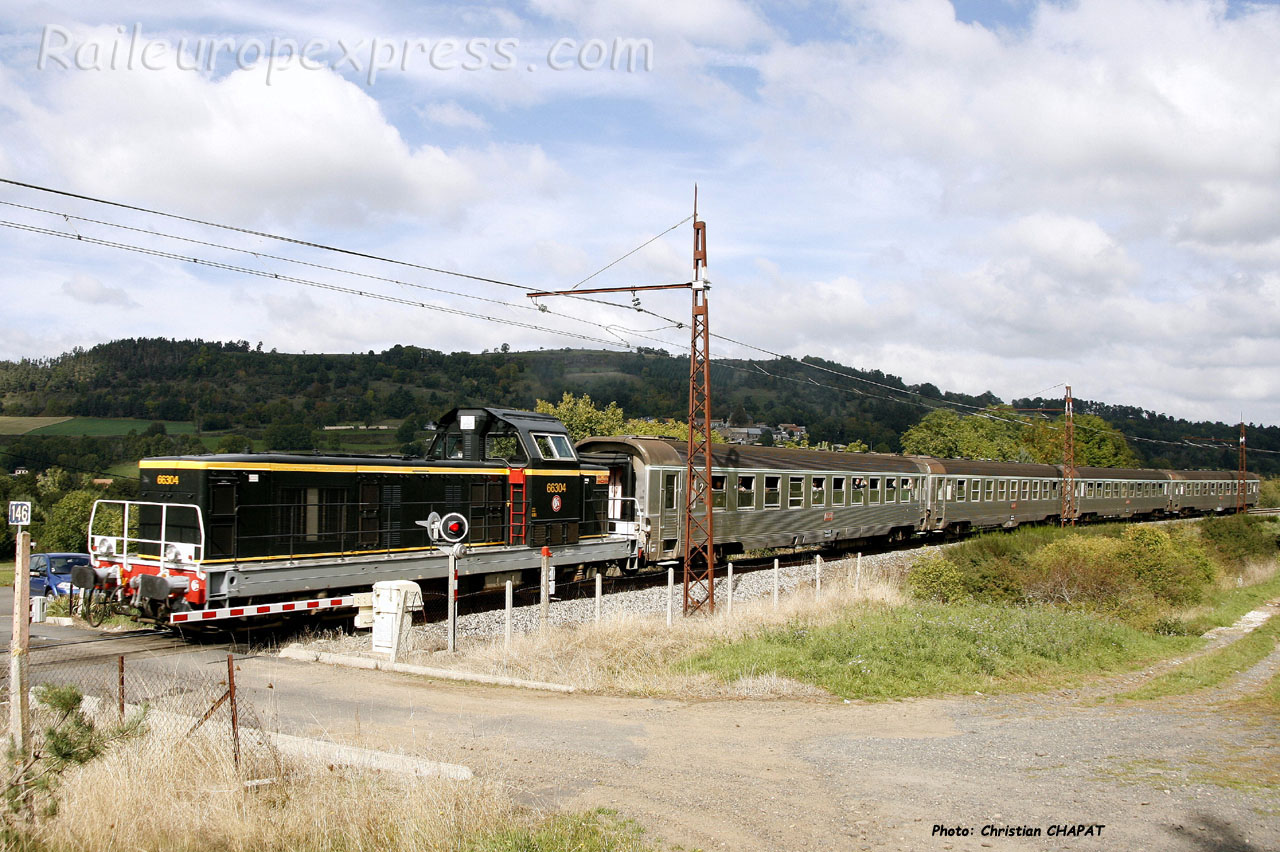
699, 529
1069, 508
1242, 481
1242, 505
699, 532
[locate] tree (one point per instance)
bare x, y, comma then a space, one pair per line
943, 433
235, 444
1001, 434
288, 436
408, 430
67, 526
581, 416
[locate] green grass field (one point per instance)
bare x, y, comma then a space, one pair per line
106, 426
885, 653
23, 425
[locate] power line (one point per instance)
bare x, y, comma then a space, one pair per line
257, 254
263, 234
303, 281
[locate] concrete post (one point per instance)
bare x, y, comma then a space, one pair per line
544, 601
777, 580
730, 581
506, 627
20, 640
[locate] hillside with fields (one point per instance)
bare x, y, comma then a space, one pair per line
96, 404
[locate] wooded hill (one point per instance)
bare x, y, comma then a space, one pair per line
237, 387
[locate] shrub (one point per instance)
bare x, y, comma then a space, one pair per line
1176, 574
1077, 570
936, 578
1234, 539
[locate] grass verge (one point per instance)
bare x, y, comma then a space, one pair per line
1212, 669
929, 649
6, 574
110, 803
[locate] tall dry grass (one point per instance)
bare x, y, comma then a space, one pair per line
162, 793
637, 655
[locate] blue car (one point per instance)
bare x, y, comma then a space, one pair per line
51, 572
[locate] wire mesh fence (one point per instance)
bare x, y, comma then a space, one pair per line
154, 693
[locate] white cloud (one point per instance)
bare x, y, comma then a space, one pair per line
450, 114
91, 291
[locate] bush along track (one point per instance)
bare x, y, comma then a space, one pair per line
1031, 609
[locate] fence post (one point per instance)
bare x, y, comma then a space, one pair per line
120, 689
671, 593
506, 628
730, 582
235, 714
817, 577
776, 582
19, 641
857, 577
544, 602
599, 594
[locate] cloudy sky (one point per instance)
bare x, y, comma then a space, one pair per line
991, 195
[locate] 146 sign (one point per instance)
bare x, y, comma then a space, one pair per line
19, 513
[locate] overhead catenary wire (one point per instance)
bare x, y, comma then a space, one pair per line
296, 280
69, 217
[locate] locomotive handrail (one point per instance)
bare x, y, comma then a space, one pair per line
171, 551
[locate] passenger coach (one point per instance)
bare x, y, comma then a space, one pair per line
761, 496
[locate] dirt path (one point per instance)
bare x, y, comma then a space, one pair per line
801, 775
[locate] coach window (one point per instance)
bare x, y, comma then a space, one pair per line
989, 490
891, 489
773, 492
717, 490
795, 492
858, 494
1002, 490
907, 490
818, 491
746, 491
669, 491
873, 489
554, 447
837, 491
960, 490
1035, 490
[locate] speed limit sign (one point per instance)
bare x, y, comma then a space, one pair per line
19, 513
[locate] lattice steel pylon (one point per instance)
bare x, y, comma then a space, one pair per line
699, 530
1069, 508
1242, 504
699, 526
